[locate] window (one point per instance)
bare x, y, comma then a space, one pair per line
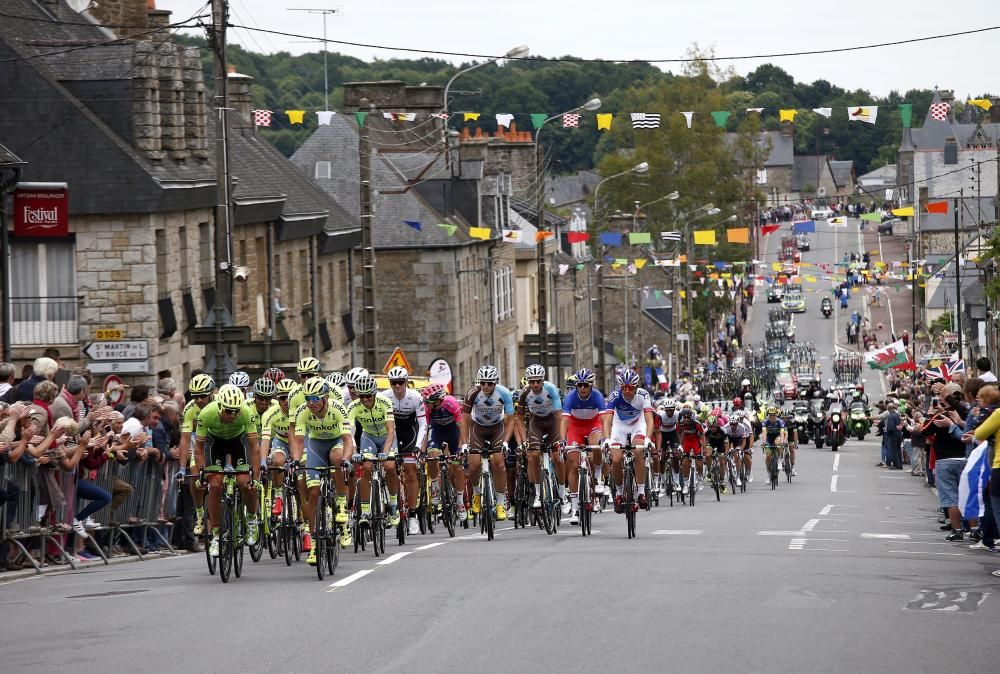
950, 152
242, 293
322, 170
182, 250
43, 303
161, 262
503, 293
205, 250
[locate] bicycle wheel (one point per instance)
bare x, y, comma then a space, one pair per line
692, 484
628, 497
225, 560
257, 549
377, 520
332, 551
716, 479
212, 561
319, 535
239, 534
423, 507
546, 500
488, 515
668, 483
556, 506
787, 465
772, 470
583, 498
448, 507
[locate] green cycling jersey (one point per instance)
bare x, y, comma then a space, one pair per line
210, 423
372, 421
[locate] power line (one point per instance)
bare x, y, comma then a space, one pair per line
834, 50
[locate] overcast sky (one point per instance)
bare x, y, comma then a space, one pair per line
658, 30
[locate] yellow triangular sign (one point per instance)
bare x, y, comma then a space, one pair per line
397, 359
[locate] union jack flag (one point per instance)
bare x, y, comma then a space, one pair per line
946, 371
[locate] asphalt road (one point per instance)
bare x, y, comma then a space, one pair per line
843, 570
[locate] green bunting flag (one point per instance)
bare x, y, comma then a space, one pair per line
639, 237
871, 217
448, 227
720, 117
906, 114
657, 294
360, 116
538, 118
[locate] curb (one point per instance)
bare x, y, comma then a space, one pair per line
62, 569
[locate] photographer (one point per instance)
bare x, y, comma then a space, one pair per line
947, 414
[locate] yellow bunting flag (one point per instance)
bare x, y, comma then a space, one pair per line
776, 266
295, 116
906, 212
470, 116
983, 103
811, 279
640, 262
704, 237
787, 115
683, 294
479, 232
682, 259
738, 235
604, 121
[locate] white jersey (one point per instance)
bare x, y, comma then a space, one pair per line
668, 422
409, 413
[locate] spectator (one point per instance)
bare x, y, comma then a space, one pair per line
984, 366
948, 413
61, 375
43, 369
893, 437
139, 394
7, 371
69, 403
44, 395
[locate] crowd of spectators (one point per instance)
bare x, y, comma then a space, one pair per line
82, 459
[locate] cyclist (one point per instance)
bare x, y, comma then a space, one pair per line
788, 416
275, 374
372, 414
321, 430
718, 440
667, 437
201, 387
308, 367
241, 380
488, 417
350, 381
774, 430
692, 435
411, 426
739, 433
226, 435
748, 396
581, 425
571, 382
541, 402
627, 420
444, 416
274, 437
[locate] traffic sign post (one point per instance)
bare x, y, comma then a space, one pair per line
129, 349
397, 359
119, 367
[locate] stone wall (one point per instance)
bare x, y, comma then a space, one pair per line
950, 178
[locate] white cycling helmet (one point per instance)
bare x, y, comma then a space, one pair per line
397, 373
745, 382
534, 371
240, 379
488, 375
353, 375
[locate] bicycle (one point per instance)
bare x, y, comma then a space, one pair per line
715, 474
269, 521
372, 528
586, 488
629, 501
772, 464
549, 514
425, 503
652, 491
693, 478
449, 502
487, 491
327, 531
523, 490
289, 532
232, 527
403, 505
667, 456
731, 471
786, 462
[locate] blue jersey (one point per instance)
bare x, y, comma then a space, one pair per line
542, 404
773, 428
488, 410
629, 410
583, 408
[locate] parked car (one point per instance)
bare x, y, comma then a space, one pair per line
885, 227
822, 213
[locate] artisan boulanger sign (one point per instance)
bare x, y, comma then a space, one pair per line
41, 209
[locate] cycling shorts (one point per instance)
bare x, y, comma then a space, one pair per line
278, 446
216, 450
406, 438
444, 436
546, 427
669, 439
623, 433
578, 431
691, 444
374, 444
481, 435
318, 456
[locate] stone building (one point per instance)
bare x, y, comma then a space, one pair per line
774, 175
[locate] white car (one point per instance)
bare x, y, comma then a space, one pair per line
823, 213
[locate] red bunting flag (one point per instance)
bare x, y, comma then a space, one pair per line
769, 229
577, 237
937, 207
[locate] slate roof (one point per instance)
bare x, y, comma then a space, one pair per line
8, 158
934, 132
841, 171
884, 176
338, 144
571, 189
804, 169
782, 147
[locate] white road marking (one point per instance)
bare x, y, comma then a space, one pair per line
395, 558
357, 575
901, 537
836, 463
797, 543
677, 532
810, 525
921, 552
780, 533
431, 545
827, 508
825, 550
893, 477
833, 483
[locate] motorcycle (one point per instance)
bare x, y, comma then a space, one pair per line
836, 429
858, 421
800, 419
826, 307
817, 417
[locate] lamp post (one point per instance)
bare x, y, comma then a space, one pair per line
710, 210
601, 361
673, 196
543, 309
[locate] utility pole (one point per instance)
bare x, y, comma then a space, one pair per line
367, 246
958, 276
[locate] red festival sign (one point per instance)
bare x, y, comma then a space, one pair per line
41, 209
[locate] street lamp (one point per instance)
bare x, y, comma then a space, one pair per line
638, 169
543, 309
709, 210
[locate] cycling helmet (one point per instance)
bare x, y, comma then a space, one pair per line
669, 404
265, 388
201, 384
240, 379
365, 385
335, 379
286, 387
523, 382
696, 398
737, 403
308, 365
713, 421
716, 412
433, 392
353, 375
534, 371
315, 386
488, 375
571, 382
773, 409
628, 378
687, 414
231, 397
275, 374
745, 382
585, 376
397, 373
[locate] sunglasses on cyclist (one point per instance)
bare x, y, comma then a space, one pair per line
203, 396
305, 375
230, 410
398, 382
367, 396
281, 399
314, 399
583, 385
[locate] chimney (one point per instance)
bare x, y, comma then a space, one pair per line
158, 19
133, 14
195, 105
172, 122
240, 99
145, 87
787, 129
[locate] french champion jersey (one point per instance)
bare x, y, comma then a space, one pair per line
629, 410
583, 408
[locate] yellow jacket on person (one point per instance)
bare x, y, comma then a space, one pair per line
991, 429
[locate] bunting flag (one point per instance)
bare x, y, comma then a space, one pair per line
563, 268
682, 293
769, 229
400, 116
636, 238
937, 207
863, 113
787, 115
982, 103
479, 232
720, 117
871, 217
541, 236
640, 262
704, 237
576, 237
504, 119
470, 116
906, 114
738, 235
804, 227
687, 116
670, 236
757, 110
621, 261
448, 227
415, 224
538, 119
840, 221
262, 117
645, 120
824, 112
295, 116
571, 120
323, 117
611, 239
440, 115
939, 111
360, 118
512, 235
905, 212
604, 121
